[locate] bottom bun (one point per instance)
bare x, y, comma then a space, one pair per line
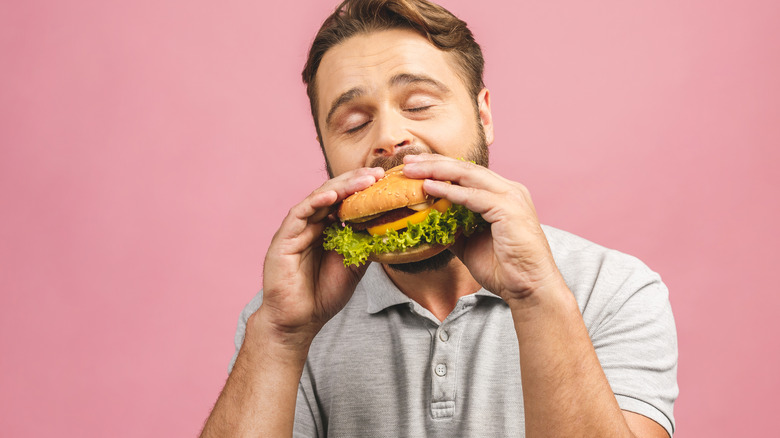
420, 252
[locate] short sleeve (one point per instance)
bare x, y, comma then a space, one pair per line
238, 340
305, 424
635, 340
305, 416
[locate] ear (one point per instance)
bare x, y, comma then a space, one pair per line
485, 116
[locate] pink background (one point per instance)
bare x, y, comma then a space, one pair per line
149, 149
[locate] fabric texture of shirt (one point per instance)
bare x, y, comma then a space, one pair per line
385, 366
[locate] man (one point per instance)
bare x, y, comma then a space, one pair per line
520, 330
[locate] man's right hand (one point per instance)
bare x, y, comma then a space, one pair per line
304, 285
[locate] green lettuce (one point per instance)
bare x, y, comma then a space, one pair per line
436, 228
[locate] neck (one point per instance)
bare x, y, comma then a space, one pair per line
439, 290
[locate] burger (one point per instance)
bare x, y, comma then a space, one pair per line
395, 221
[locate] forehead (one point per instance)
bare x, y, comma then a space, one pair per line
369, 61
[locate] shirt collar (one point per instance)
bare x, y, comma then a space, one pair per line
382, 293
380, 290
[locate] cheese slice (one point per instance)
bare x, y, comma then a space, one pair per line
441, 205
422, 206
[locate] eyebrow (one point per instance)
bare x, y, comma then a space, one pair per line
409, 78
343, 99
396, 81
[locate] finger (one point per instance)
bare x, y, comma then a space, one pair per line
476, 200
415, 158
297, 218
462, 173
344, 186
353, 181
317, 206
492, 206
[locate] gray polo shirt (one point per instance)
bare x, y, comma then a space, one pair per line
385, 366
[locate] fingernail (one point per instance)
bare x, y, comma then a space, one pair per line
408, 167
432, 183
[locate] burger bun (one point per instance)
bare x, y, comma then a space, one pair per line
393, 191
419, 252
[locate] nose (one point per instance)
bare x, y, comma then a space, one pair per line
392, 135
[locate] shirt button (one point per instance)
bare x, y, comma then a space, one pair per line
441, 370
443, 336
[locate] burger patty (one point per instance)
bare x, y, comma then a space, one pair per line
385, 218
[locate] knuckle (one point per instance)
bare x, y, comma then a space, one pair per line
472, 192
516, 198
519, 190
291, 213
300, 208
523, 189
364, 171
468, 165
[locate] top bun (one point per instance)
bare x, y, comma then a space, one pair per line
393, 191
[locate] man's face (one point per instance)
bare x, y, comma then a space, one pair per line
388, 93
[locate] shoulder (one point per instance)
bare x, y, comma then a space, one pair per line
603, 280
626, 309
584, 263
573, 252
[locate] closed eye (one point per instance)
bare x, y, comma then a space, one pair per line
419, 109
357, 128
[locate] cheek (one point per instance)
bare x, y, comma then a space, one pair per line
453, 137
344, 159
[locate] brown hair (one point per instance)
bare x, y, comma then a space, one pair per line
438, 25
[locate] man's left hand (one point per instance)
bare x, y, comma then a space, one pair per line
512, 257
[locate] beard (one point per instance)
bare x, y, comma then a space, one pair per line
435, 263
478, 154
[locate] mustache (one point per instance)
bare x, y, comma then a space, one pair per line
398, 158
